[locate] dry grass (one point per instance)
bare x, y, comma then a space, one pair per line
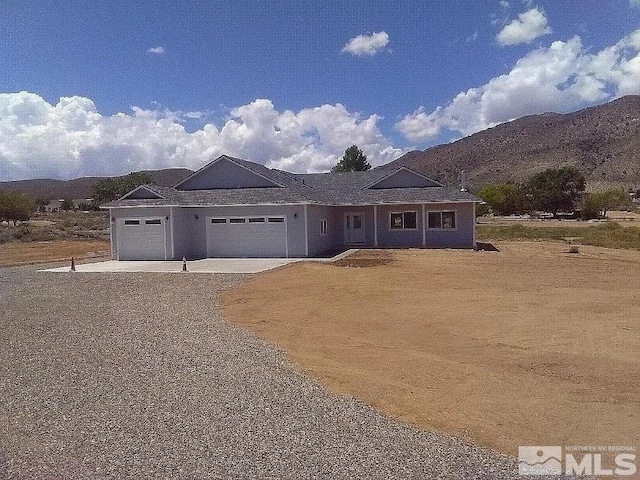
22, 253
58, 226
529, 346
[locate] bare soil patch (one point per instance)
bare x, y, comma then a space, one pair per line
23, 253
529, 346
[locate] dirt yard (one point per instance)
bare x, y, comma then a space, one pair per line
23, 253
529, 346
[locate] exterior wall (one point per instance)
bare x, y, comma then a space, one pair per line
398, 238
320, 243
460, 237
189, 233
186, 233
141, 213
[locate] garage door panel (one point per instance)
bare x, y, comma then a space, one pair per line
141, 239
247, 237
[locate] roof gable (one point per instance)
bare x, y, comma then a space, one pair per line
142, 192
227, 172
403, 178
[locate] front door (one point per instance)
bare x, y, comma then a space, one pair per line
353, 228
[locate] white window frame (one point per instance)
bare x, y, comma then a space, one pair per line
455, 220
323, 226
403, 229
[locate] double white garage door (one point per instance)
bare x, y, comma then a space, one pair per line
254, 236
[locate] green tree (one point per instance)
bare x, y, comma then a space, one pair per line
16, 206
597, 204
504, 198
590, 207
611, 199
556, 189
353, 160
111, 188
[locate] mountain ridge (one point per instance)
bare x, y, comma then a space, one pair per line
51, 189
602, 141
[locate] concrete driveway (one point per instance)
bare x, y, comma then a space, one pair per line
207, 265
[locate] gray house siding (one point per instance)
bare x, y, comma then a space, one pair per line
388, 237
322, 242
225, 174
404, 179
460, 237
189, 233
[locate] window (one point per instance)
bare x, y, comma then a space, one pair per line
132, 222
323, 227
218, 220
237, 220
404, 220
441, 220
256, 220
154, 221
276, 219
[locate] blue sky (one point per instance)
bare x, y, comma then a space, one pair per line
105, 88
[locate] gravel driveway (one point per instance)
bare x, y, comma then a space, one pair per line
137, 376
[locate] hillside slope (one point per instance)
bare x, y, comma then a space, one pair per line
602, 141
81, 187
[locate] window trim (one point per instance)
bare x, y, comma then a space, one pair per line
441, 228
324, 226
402, 229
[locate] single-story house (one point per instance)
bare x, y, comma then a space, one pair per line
236, 208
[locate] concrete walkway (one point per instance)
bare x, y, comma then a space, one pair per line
206, 265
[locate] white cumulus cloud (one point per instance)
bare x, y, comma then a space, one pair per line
526, 28
366, 45
156, 50
71, 138
563, 77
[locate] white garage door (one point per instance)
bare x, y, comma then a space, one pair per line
141, 239
257, 236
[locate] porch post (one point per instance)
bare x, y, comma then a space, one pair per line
424, 227
306, 232
172, 222
375, 225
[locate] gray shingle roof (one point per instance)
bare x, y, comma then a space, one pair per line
347, 188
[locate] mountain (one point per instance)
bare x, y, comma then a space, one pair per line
602, 141
81, 187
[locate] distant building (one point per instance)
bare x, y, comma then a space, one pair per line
56, 205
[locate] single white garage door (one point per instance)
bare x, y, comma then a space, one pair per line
141, 239
257, 236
